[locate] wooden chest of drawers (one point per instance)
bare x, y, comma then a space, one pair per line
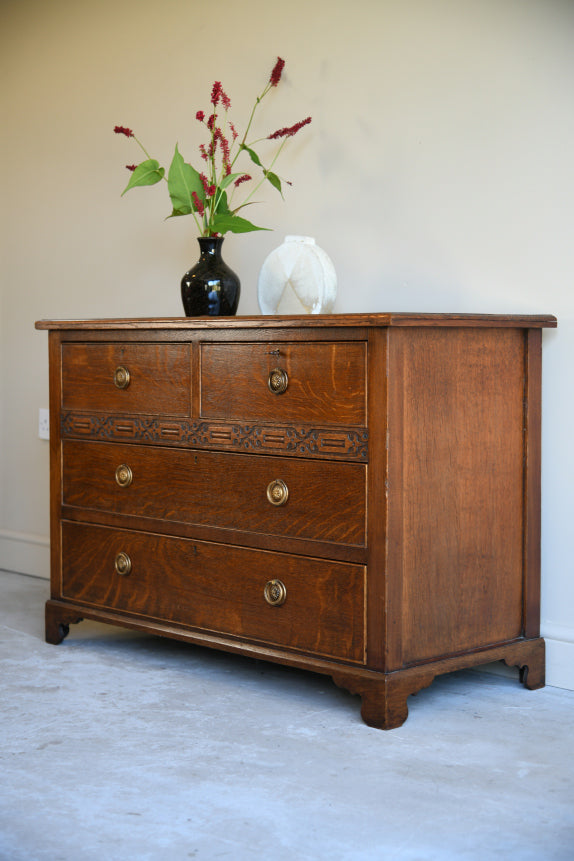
354, 495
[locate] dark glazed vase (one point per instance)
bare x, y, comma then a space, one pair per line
210, 288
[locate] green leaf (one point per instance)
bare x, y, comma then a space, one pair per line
233, 224
274, 180
227, 180
182, 181
252, 155
147, 173
176, 212
222, 207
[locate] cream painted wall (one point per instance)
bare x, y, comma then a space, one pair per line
437, 173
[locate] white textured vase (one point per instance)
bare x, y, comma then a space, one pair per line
298, 277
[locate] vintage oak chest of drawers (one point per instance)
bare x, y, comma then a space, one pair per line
354, 495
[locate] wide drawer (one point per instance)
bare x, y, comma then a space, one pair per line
321, 500
137, 378
304, 382
218, 588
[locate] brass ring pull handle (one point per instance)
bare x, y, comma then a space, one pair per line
124, 475
278, 381
121, 377
277, 492
275, 593
123, 564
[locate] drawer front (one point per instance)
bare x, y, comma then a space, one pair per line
158, 379
321, 500
218, 588
324, 382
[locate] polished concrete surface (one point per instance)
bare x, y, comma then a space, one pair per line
120, 746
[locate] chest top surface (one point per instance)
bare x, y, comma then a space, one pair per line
306, 321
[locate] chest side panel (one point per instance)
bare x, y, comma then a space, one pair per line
459, 486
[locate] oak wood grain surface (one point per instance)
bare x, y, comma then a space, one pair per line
219, 588
462, 488
220, 489
160, 378
302, 321
326, 382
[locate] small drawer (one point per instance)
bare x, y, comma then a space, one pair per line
303, 382
281, 599
274, 495
130, 378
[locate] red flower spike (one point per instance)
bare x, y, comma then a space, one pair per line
200, 116
211, 122
277, 71
197, 203
208, 189
121, 130
224, 144
131, 167
216, 93
245, 178
225, 100
233, 132
203, 152
289, 131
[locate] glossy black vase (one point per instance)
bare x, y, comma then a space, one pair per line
210, 288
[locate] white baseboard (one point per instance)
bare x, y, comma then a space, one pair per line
25, 553
559, 656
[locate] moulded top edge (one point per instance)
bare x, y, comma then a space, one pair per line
307, 320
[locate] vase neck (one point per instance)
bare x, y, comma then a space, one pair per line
210, 246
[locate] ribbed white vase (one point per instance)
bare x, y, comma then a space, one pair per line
298, 277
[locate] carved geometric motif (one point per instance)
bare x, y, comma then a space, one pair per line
303, 441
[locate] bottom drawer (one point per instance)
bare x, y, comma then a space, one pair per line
218, 588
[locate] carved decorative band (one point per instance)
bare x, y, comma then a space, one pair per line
302, 441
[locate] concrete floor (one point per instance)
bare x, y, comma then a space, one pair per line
120, 746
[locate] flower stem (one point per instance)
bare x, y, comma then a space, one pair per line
264, 177
258, 101
141, 146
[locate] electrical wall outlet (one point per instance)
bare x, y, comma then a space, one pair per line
44, 424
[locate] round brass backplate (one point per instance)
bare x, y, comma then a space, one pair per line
277, 492
121, 377
275, 593
278, 381
124, 475
123, 563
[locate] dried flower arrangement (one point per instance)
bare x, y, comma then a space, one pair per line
208, 195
